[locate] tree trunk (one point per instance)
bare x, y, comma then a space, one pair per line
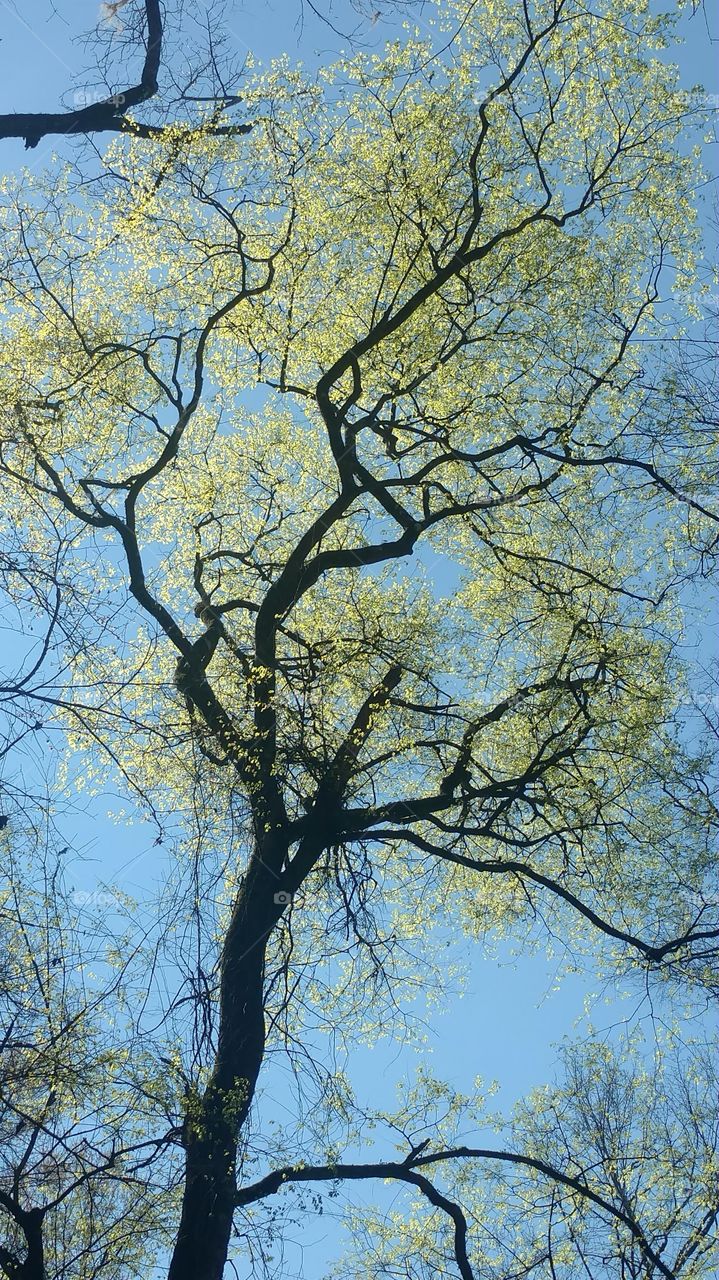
30, 1222
208, 1201
214, 1119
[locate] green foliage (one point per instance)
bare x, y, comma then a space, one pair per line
383, 509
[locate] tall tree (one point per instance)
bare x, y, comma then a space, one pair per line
380, 495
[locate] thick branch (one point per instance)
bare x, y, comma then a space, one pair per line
402, 1172
407, 1172
30, 1223
98, 117
653, 952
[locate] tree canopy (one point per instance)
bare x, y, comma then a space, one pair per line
355, 474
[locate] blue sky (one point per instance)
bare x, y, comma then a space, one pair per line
510, 1018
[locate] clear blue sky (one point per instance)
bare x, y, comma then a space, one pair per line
507, 1023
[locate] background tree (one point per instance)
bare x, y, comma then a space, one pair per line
75, 1196
261, 387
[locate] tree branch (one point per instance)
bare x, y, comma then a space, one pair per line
406, 1171
98, 117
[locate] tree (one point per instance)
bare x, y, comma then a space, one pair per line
258, 388
73, 1189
